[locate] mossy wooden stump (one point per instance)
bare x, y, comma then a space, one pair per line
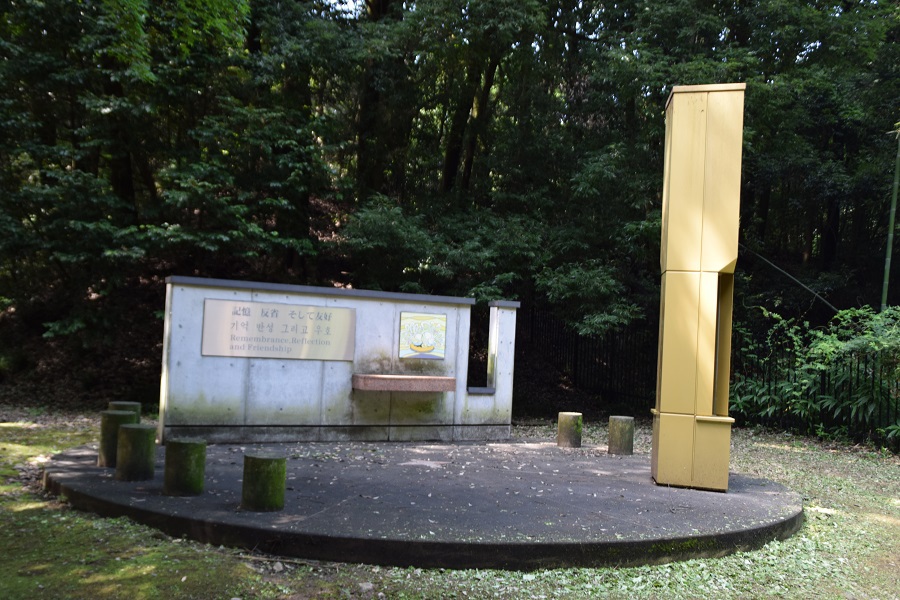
136, 452
110, 421
265, 476
123, 405
568, 432
621, 435
185, 469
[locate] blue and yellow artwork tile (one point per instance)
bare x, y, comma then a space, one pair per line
423, 335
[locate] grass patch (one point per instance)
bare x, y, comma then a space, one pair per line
86, 557
848, 546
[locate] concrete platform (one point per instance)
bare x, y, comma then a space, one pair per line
513, 505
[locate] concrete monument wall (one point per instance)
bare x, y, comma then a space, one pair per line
256, 362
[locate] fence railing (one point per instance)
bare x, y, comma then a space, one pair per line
858, 394
620, 367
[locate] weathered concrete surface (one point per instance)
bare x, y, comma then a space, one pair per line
487, 505
254, 362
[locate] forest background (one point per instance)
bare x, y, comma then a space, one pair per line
486, 148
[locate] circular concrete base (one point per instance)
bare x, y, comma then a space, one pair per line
487, 505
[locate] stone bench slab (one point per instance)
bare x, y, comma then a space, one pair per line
403, 383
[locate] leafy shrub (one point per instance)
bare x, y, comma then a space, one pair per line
841, 377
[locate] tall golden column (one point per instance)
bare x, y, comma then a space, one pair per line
701, 202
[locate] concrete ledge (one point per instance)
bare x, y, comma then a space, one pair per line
404, 383
374, 432
481, 391
260, 286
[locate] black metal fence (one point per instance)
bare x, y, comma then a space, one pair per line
620, 367
858, 394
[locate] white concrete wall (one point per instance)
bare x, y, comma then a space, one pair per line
236, 399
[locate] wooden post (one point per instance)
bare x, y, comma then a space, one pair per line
265, 476
110, 420
136, 452
123, 405
185, 467
621, 435
568, 432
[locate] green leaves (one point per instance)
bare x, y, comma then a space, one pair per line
122, 22
590, 294
476, 255
498, 149
841, 377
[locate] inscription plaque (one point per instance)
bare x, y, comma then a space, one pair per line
272, 330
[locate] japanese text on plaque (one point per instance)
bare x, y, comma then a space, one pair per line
269, 330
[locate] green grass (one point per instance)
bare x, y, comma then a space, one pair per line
848, 547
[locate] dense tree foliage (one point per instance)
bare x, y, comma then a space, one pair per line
491, 148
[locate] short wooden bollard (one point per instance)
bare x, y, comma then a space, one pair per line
123, 405
136, 452
185, 469
621, 435
568, 430
110, 421
265, 476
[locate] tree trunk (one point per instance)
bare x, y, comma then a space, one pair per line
456, 136
480, 120
831, 233
369, 157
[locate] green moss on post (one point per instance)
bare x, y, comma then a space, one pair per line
136, 452
185, 467
110, 421
264, 480
621, 435
568, 432
123, 405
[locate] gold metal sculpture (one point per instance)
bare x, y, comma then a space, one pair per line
701, 201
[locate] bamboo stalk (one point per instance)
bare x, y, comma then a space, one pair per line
890, 239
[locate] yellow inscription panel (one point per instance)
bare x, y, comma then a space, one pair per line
271, 330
